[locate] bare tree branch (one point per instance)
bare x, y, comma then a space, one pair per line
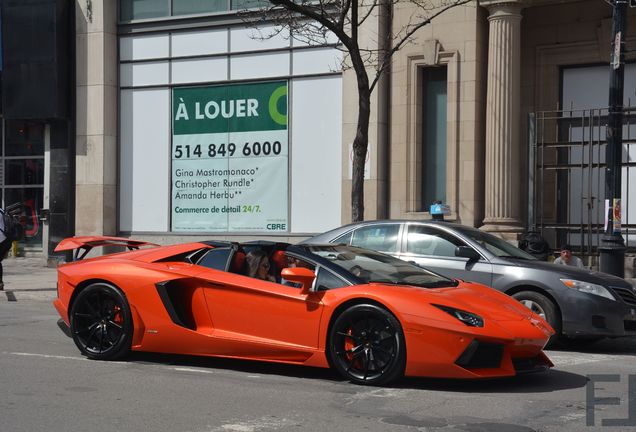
313, 21
409, 31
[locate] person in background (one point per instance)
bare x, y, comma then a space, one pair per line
258, 265
566, 257
5, 246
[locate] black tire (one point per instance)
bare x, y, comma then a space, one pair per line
366, 345
101, 322
542, 306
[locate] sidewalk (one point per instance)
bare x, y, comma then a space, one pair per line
28, 278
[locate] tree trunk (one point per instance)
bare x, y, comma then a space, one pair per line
360, 148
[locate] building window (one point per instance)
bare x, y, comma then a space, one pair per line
22, 175
433, 137
147, 9
144, 9
189, 7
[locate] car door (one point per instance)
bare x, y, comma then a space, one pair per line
434, 249
262, 319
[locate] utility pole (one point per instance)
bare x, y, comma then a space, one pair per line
612, 248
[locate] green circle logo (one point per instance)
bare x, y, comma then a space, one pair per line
276, 115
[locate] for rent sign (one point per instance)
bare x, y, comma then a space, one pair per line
229, 158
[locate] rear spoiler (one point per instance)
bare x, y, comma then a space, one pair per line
83, 245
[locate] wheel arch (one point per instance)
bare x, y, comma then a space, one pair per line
85, 284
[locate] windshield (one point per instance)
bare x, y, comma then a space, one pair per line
495, 245
372, 266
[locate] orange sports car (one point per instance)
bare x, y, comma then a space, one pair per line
372, 317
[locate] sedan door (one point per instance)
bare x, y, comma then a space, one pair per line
434, 248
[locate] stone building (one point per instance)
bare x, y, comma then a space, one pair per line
157, 86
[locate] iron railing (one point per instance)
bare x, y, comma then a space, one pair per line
566, 167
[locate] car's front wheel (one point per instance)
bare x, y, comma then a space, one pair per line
101, 322
366, 345
542, 306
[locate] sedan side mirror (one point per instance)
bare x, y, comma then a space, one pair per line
299, 275
467, 252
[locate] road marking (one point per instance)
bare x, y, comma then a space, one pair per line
58, 357
184, 369
562, 359
573, 416
257, 424
49, 356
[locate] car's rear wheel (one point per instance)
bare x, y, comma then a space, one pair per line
101, 322
366, 345
542, 306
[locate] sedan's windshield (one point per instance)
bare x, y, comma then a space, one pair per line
372, 266
495, 245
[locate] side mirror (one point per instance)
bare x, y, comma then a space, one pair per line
299, 275
467, 252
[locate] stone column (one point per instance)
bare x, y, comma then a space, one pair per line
502, 188
96, 124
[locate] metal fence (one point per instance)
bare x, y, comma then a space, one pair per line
566, 167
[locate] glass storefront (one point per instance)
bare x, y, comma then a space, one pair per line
22, 162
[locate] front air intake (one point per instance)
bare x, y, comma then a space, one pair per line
481, 355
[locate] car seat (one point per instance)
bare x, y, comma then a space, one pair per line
279, 259
238, 262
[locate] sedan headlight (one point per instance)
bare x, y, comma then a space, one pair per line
588, 288
468, 318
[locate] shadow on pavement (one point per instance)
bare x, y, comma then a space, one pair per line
532, 383
550, 381
237, 365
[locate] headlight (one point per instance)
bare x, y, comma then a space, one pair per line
588, 288
468, 318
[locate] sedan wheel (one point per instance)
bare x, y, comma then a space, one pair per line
542, 306
534, 307
101, 322
366, 345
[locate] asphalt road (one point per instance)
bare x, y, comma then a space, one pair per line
47, 386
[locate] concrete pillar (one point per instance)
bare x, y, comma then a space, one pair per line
96, 118
503, 141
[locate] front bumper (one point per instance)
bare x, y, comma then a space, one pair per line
501, 349
64, 327
593, 316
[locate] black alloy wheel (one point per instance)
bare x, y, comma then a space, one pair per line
366, 345
101, 322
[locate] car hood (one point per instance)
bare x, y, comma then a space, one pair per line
470, 297
564, 271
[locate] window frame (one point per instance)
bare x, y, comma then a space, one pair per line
415, 209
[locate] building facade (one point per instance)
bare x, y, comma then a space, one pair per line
188, 122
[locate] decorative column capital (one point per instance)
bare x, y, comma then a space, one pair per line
499, 8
